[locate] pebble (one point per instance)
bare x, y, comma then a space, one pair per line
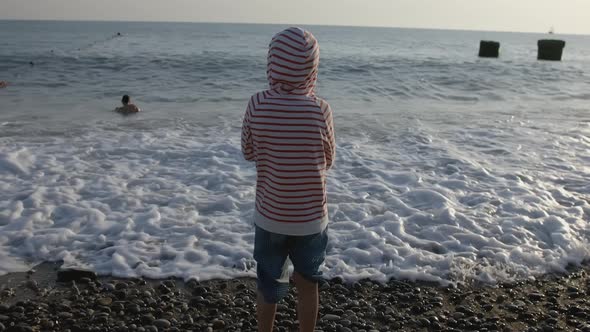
109, 287
331, 317
104, 309
121, 285
23, 328
32, 284
501, 298
150, 328
121, 294
424, 322
551, 321
162, 323
164, 289
218, 324
512, 307
104, 301
134, 309
46, 323
458, 315
18, 309
118, 306
148, 318
200, 290
65, 315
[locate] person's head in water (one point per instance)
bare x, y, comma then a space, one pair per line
127, 107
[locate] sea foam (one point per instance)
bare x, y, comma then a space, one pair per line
406, 200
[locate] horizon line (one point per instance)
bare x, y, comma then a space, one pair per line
292, 24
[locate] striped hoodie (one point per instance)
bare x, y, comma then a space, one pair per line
289, 133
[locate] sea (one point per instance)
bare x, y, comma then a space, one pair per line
450, 168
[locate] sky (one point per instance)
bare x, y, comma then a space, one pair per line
566, 16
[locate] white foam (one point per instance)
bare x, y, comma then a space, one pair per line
16, 162
493, 201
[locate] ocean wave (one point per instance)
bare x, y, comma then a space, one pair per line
389, 77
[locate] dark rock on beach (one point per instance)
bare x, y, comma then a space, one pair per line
75, 275
89, 303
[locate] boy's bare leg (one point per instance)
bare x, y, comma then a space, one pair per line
266, 314
307, 303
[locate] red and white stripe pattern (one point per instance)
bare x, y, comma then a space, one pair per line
288, 132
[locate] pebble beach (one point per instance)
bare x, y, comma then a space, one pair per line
36, 301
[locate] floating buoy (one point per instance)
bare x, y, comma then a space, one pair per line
489, 49
550, 49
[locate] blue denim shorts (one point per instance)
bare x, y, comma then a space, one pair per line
271, 250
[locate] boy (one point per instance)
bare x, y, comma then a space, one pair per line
127, 107
288, 132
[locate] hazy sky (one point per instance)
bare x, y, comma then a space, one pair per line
567, 16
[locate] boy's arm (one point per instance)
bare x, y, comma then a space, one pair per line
330, 139
247, 146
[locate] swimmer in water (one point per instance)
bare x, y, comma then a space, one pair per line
127, 107
3, 84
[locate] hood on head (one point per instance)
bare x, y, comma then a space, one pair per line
293, 60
